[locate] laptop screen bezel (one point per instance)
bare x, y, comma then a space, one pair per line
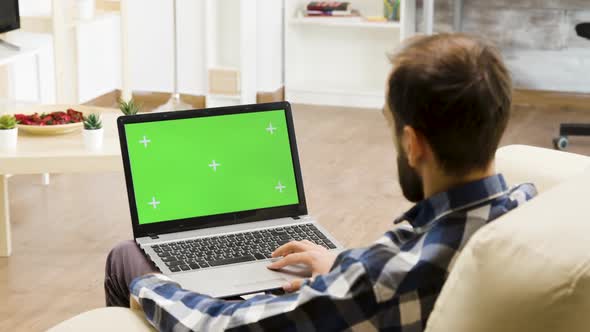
193, 223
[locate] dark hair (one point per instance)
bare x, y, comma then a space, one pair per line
455, 90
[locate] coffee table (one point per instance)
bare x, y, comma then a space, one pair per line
56, 154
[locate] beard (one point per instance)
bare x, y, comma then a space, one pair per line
409, 180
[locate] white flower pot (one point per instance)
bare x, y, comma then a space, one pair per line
8, 138
93, 139
86, 9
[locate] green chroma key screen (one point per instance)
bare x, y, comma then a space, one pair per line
210, 165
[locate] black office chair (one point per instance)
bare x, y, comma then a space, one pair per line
573, 129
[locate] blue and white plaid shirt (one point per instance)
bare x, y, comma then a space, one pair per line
391, 285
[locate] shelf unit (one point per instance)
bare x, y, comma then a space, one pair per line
230, 43
341, 61
73, 43
26, 62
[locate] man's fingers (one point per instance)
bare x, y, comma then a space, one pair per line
297, 258
293, 285
289, 248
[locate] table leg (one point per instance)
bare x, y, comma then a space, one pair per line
5, 236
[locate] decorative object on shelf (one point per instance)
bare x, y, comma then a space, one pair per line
391, 9
376, 19
328, 8
93, 132
128, 107
86, 9
8, 132
53, 123
224, 81
174, 103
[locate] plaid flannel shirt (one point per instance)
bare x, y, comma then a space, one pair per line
391, 285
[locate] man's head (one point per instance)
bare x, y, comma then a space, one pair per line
448, 100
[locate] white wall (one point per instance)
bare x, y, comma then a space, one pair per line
34, 7
269, 45
151, 42
537, 38
150, 47
559, 70
98, 57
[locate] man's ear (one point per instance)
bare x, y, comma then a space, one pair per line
414, 144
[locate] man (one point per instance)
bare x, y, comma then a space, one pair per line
448, 104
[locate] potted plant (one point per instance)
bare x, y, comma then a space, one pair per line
8, 132
93, 132
128, 108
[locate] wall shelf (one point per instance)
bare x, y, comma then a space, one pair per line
352, 22
341, 61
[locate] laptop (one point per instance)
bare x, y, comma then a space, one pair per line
213, 192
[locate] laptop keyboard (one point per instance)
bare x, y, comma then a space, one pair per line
235, 248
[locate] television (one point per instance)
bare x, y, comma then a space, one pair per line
9, 15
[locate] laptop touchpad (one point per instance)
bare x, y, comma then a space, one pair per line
298, 270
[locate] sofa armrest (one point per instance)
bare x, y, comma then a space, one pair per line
105, 319
544, 167
527, 271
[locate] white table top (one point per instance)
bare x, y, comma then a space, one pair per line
64, 153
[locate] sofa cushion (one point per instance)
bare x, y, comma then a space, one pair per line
527, 271
105, 319
546, 168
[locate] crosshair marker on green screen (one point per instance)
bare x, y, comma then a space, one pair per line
210, 165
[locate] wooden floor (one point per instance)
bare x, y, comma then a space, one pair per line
63, 232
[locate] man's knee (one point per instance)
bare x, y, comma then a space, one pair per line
118, 255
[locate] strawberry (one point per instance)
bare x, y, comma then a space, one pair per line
54, 118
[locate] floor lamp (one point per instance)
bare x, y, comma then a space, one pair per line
174, 103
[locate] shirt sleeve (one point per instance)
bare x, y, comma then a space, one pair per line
335, 301
350, 295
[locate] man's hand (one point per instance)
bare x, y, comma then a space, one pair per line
305, 252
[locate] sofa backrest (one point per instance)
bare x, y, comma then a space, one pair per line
546, 168
527, 271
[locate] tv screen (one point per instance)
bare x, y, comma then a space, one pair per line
9, 17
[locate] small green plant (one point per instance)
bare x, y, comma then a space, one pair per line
128, 108
92, 122
7, 121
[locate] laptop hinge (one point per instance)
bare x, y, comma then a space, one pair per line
153, 236
296, 217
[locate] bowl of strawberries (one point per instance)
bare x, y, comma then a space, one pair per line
50, 123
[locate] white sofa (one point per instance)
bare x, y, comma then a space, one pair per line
528, 271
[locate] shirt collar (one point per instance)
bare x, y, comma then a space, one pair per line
439, 205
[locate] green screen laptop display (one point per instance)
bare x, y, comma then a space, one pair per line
210, 165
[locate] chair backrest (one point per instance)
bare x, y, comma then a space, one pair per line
527, 271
